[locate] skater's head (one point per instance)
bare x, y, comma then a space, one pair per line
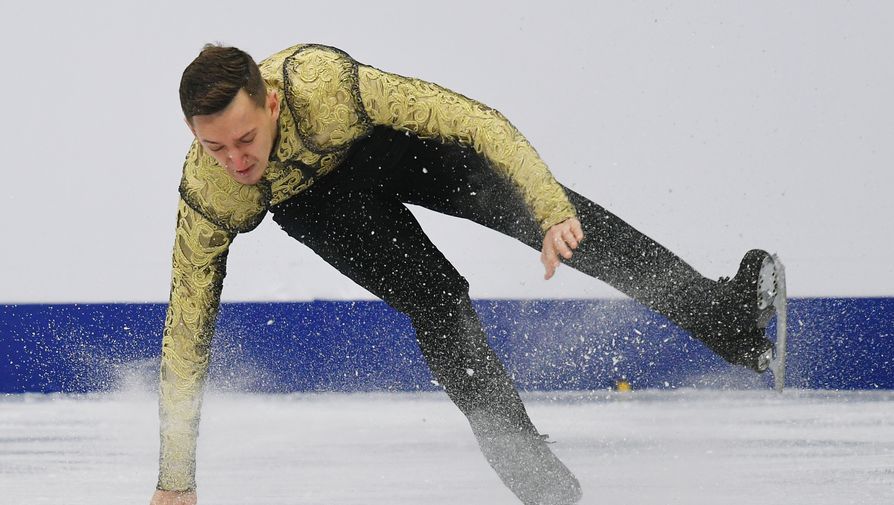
230, 111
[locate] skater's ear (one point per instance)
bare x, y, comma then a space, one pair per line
273, 103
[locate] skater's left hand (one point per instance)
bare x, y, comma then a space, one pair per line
560, 240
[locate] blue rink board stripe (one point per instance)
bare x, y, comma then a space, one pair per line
834, 343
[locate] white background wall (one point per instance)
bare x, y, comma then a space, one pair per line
712, 126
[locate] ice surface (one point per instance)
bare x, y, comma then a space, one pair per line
644, 447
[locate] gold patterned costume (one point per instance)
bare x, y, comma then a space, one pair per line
329, 103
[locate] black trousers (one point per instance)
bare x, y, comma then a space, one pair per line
356, 220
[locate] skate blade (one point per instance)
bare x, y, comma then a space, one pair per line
767, 290
779, 300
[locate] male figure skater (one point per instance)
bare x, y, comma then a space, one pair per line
334, 149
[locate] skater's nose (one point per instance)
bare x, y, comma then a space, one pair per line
237, 159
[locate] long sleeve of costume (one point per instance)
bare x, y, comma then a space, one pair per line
431, 111
199, 267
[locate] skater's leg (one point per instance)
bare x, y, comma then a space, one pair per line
454, 180
631, 262
379, 245
723, 315
374, 240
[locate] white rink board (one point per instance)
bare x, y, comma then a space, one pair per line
675, 447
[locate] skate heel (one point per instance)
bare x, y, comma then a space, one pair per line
767, 289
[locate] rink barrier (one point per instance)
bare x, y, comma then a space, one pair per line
834, 343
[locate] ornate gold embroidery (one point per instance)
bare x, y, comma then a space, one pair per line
199, 259
288, 185
329, 162
431, 111
321, 89
208, 188
289, 145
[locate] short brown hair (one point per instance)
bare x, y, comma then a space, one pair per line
213, 79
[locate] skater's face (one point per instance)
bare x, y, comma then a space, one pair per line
241, 136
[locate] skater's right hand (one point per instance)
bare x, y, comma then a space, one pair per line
173, 498
560, 242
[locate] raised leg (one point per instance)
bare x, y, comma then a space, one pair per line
454, 180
